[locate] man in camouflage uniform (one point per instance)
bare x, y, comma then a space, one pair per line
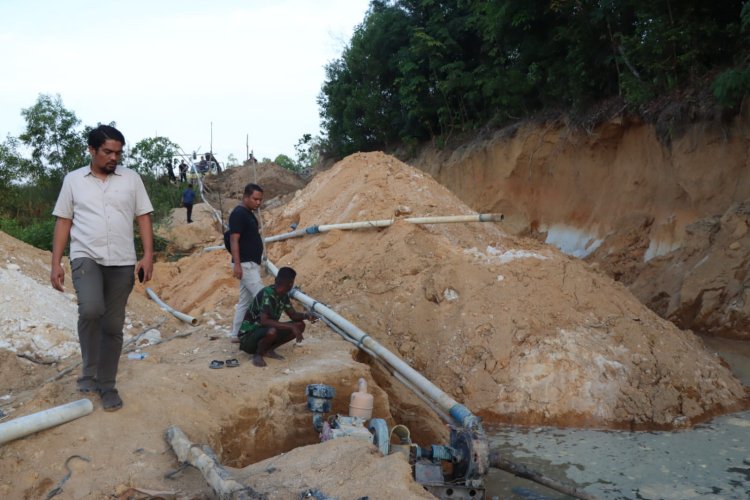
261, 331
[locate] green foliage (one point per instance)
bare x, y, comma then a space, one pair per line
53, 137
285, 162
308, 152
164, 195
731, 86
29, 186
13, 167
232, 161
424, 69
149, 154
38, 233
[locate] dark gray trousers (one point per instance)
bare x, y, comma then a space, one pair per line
102, 296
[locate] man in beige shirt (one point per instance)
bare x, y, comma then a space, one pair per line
95, 210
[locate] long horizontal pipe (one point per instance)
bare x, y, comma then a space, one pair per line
322, 228
460, 414
177, 314
52, 417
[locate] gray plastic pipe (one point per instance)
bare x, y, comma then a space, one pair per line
213, 247
177, 314
385, 223
395, 374
23, 426
460, 414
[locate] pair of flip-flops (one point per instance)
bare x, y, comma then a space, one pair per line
230, 363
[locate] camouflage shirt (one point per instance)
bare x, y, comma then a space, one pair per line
266, 301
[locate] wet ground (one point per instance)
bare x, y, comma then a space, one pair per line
710, 461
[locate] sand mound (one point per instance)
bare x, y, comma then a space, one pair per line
514, 329
37, 321
275, 181
183, 237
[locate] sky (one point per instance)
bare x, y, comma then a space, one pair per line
218, 73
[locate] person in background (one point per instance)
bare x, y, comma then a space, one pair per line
183, 171
188, 198
170, 171
95, 211
203, 166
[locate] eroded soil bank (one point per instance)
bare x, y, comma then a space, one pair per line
673, 215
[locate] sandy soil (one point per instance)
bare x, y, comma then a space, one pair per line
619, 196
512, 328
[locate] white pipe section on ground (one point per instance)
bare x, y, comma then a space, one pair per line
177, 314
214, 247
441, 399
385, 223
23, 426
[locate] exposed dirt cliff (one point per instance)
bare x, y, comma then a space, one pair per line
621, 198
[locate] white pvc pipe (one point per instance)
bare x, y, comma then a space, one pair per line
177, 314
449, 405
322, 228
396, 374
214, 247
23, 426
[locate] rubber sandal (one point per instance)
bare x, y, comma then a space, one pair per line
111, 400
87, 384
216, 364
231, 363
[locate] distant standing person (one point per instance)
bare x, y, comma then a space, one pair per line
183, 171
188, 197
170, 171
262, 333
95, 210
246, 247
203, 165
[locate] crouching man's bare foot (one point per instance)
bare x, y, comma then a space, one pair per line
274, 355
258, 360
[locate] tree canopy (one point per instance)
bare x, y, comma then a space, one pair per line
149, 154
54, 142
419, 69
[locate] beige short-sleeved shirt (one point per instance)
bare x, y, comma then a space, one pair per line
102, 214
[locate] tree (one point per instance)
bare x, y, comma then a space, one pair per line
232, 161
13, 167
308, 152
417, 70
285, 162
149, 154
53, 136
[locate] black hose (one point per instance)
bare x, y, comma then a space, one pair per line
521, 470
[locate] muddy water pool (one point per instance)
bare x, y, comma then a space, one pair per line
710, 461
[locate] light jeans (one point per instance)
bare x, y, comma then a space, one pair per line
250, 285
